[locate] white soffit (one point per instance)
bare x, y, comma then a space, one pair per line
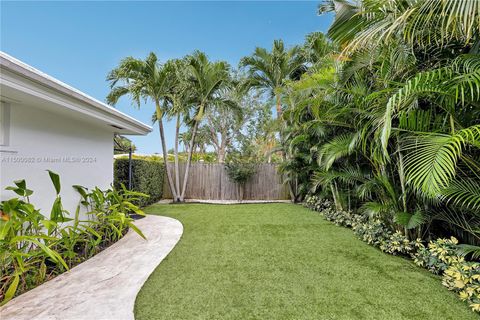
18, 78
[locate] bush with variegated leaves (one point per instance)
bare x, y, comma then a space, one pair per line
464, 279
439, 255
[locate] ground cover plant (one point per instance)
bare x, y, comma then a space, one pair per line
35, 248
283, 261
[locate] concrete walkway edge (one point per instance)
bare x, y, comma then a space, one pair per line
106, 285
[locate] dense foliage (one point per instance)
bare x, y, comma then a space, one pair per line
35, 248
147, 177
122, 145
387, 123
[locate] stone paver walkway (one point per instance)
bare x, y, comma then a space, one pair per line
105, 286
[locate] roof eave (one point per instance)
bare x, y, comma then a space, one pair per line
114, 116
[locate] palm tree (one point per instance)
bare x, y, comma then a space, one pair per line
181, 99
317, 50
403, 134
206, 81
270, 70
144, 80
424, 23
185, 138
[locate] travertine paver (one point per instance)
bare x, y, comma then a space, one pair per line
105, 286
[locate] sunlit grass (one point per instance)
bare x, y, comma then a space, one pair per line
282, 261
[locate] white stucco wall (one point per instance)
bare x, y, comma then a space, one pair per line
79, 151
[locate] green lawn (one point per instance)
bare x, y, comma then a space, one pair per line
282, 261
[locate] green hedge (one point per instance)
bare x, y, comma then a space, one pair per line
147, 177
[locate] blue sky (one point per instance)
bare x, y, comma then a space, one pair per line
80, 42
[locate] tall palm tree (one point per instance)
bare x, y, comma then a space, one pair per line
206, 81
144, 80
269, 70
181, 99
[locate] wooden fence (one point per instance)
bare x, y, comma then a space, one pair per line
209, 181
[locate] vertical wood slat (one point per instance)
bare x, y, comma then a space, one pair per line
209, 181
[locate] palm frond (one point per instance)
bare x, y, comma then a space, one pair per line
431, 160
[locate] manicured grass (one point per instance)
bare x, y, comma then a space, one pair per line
282, 261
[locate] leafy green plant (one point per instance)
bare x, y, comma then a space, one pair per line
110, 211
240, 172
34, 248
26, 243
464, 279
148, 177
439, 255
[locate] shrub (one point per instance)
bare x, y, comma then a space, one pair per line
240, 172
464, 278
316, 203
35, 248
147, 177
398, 243
325, 207
372, 231
439, 255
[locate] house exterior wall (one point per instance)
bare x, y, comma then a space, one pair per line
39, 140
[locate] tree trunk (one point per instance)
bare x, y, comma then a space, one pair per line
221, 155
292, 193
401, 174
164, 150
222, 148
189, 160
279, 106
177, 173
241, 191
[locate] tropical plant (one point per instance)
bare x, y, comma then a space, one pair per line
122, 145
207, 79
240, 171
145, 81
390, 126
35, 248
269, 70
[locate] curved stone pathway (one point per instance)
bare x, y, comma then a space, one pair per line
105, 286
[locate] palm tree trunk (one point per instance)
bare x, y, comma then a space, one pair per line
164, 150
401, 174
189, 160
279, 106
222, 148
177, 173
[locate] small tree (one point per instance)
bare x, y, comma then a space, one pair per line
240, 172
